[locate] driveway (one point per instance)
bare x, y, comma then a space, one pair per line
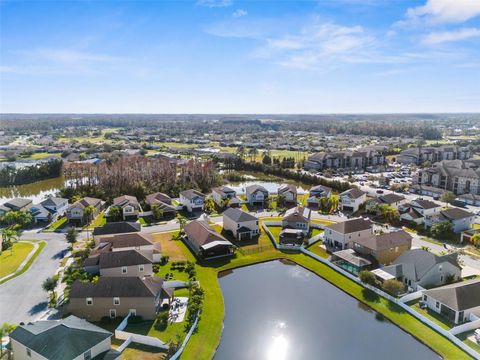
22, 298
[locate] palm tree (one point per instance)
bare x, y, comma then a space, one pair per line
71, 236
9, 236
115, 213
87, 213
181, 221
157, 212
334, 203
209, 205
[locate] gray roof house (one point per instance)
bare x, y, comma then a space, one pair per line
316, 193
460, 219
192, 200
205, 242
121, 263
17, 204
256, 194
119, 227
418, 267
118, 296
458, 302
242, 225
66, 339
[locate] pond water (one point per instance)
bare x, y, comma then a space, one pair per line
36, 191
272, 187
277, 311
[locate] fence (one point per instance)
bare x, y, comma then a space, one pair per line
185, 341
278, 246
405, 307
137, 338
472, 325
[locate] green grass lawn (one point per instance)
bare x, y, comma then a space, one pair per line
316, 249
316, 232
59, 224
100, 220
431, 315
205, 340
41, 245
11, 259
275, 230
464, 337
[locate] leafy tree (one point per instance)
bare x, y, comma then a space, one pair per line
71, 236
161, 322
393, 287
115, 213
209, 205
9, 236
448, 197
5, 330
476, 239
88, 212
182, 221
266, 160
387, 212
367, 277
334, 203
157, 212
442, 229
49, 284
17, 219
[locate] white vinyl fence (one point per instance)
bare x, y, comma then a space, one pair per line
405, 307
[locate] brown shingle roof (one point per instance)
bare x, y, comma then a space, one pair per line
350, 226
354, 193
200, 232
386, 241
118, 287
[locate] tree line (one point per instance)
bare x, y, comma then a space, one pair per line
138, 176
11, 175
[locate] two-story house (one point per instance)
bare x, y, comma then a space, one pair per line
460, 219
223, 195
163, 202
129, 206
352, 199
418, 209
76, 212
342, 235
192, 200
384, 248
118, 296
120, 263
256, 194
289, 194
124, 242
316, 194
49, 209
242, 225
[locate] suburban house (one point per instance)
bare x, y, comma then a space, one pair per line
118, 296
457, 176
130, 241
223, 194
120, 263
352, 199
118, 227
49, 209
192, 200
256, 194
242, 225
459, 302
460, 219
17, 204
164, 203
66, 339
289, 193
341, 235
204, 241
316, 193
418, 267
76, 212
129, 206
392, 200
384, 248
418, 209
297, 218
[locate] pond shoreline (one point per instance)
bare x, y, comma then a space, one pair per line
229, 271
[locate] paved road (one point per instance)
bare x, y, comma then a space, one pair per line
22, 298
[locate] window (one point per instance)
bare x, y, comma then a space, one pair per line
29, 352
124, 269
439, 267
89, 301
424, 297
141, 267
113, 313
437, 304
132, 312
87, 355
116, 301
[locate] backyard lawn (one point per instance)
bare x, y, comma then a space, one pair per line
100, 220
11, 259
317, 249
59, 224
431, 315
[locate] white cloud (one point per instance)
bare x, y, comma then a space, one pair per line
68, 56
214, 3
439, 37
239, 13
444, 11
317, 44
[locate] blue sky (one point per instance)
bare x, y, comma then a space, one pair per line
228, 56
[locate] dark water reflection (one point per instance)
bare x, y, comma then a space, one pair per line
276, 312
